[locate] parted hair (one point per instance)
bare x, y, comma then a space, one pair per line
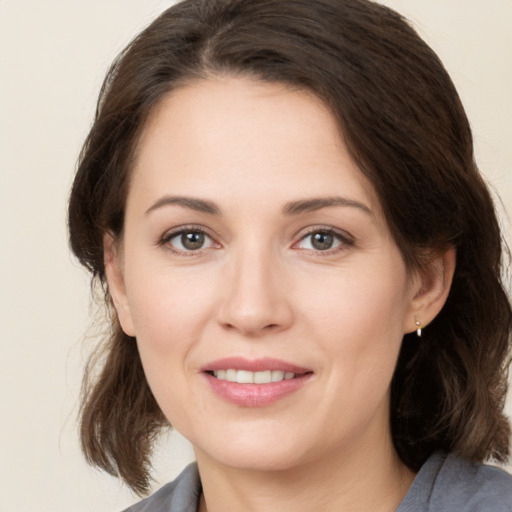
404, 125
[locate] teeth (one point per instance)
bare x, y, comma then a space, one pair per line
246, 377
262, 377
231, 375
277, 375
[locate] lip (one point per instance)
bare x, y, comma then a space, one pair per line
255, 365
255, 395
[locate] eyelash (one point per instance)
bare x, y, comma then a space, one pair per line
166, 239
343, 240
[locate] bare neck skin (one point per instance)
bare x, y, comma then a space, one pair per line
369, 476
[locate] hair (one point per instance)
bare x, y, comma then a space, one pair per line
405, 127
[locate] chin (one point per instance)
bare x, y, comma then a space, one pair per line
276, 451
255, 459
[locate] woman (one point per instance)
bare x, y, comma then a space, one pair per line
302, 263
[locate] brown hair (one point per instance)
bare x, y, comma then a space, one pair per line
404, 125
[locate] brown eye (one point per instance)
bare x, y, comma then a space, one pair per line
192, 241
189, 240
323, 240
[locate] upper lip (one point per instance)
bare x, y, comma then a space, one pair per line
253, 365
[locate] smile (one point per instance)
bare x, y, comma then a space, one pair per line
248, 377
254, 383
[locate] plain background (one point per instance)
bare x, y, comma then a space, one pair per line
53, 56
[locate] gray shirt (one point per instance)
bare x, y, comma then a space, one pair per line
445, 483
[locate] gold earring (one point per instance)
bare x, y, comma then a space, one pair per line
418, 330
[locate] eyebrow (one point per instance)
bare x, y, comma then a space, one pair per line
200, 205
291, 208
317, 203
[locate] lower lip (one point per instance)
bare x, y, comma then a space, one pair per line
255, 395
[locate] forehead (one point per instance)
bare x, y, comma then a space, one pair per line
236, 135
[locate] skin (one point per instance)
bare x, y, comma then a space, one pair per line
258, 287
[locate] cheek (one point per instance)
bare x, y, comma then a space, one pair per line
360, 302
168, 307
358, 321
169, 315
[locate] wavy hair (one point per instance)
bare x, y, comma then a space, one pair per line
404, 125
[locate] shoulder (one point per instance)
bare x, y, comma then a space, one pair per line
448, 483
180, 495
477, 487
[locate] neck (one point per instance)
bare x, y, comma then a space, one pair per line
355, 481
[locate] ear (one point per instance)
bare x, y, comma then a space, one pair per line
116, 286
431, 286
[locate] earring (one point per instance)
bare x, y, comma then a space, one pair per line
418, 330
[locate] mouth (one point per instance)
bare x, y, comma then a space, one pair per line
255, 383
249, 377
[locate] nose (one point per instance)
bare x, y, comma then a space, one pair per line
255, 299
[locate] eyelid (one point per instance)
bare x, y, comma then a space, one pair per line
164, 240
346, 238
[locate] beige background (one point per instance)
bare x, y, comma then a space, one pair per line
53, 55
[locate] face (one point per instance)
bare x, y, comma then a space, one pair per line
258, 275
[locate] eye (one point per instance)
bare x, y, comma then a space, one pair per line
188, 240
323, 240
